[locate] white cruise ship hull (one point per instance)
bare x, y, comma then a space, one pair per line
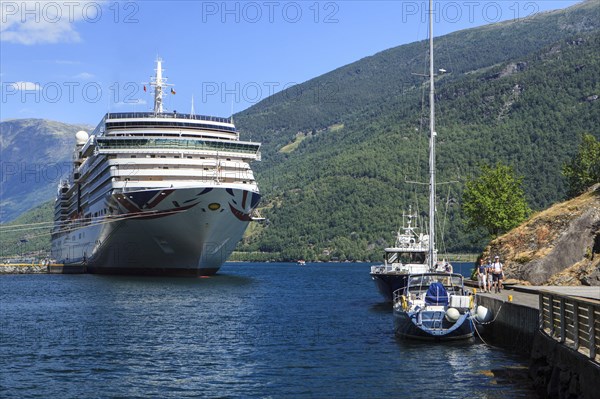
183, 231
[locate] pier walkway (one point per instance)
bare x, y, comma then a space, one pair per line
559, 327
571, 315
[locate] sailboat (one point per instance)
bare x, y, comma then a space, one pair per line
433, 305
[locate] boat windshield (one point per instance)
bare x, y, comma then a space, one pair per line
405, 257
420, 282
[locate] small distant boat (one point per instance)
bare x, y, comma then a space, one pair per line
302, 262
434, 306
410, 254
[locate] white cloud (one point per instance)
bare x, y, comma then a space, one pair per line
131, 103
45, 21
84, 76
66, 62
25, 86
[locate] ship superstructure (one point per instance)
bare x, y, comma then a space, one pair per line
409, 255
156, 192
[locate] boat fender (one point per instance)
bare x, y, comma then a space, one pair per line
483, 314
404, 302
472, 302
452, 315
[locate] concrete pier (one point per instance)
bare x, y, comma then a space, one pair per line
39, 268
515, 322
558, 328
22, 268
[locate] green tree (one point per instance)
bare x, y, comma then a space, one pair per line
495, 200
584, 170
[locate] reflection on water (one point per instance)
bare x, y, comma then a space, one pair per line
254, 330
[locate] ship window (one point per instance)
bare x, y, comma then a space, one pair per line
229, 159
133, 156
176, 156
163, 156
165, 167
152, 156
189, 157
205, 168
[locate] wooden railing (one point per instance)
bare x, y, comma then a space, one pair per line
573, 321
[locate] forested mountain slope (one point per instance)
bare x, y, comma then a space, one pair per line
34, 154
339, 149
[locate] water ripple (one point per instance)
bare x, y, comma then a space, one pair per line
255, 330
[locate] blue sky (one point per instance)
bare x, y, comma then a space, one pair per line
72, 61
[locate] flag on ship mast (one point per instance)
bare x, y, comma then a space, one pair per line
172, 91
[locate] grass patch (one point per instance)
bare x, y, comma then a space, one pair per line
336, 128
292, 146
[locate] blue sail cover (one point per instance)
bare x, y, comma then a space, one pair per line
436, 294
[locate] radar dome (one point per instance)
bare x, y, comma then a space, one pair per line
81, 137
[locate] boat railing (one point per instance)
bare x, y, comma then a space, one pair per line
381, 269
398, 294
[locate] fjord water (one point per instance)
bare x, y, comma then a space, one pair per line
253, 330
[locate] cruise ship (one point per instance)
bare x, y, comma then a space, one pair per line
156, 193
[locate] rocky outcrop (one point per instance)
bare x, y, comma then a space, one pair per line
559, 246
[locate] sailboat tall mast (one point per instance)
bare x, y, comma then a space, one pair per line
431, 143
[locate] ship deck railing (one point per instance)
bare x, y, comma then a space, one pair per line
167, 115
136, 143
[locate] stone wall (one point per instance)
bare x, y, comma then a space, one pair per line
560, 372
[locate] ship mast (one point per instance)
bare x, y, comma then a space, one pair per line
159, 83
432, 135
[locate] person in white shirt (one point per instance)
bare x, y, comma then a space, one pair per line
497, 274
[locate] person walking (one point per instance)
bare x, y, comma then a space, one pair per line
481, 275
497, 274
488, 275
